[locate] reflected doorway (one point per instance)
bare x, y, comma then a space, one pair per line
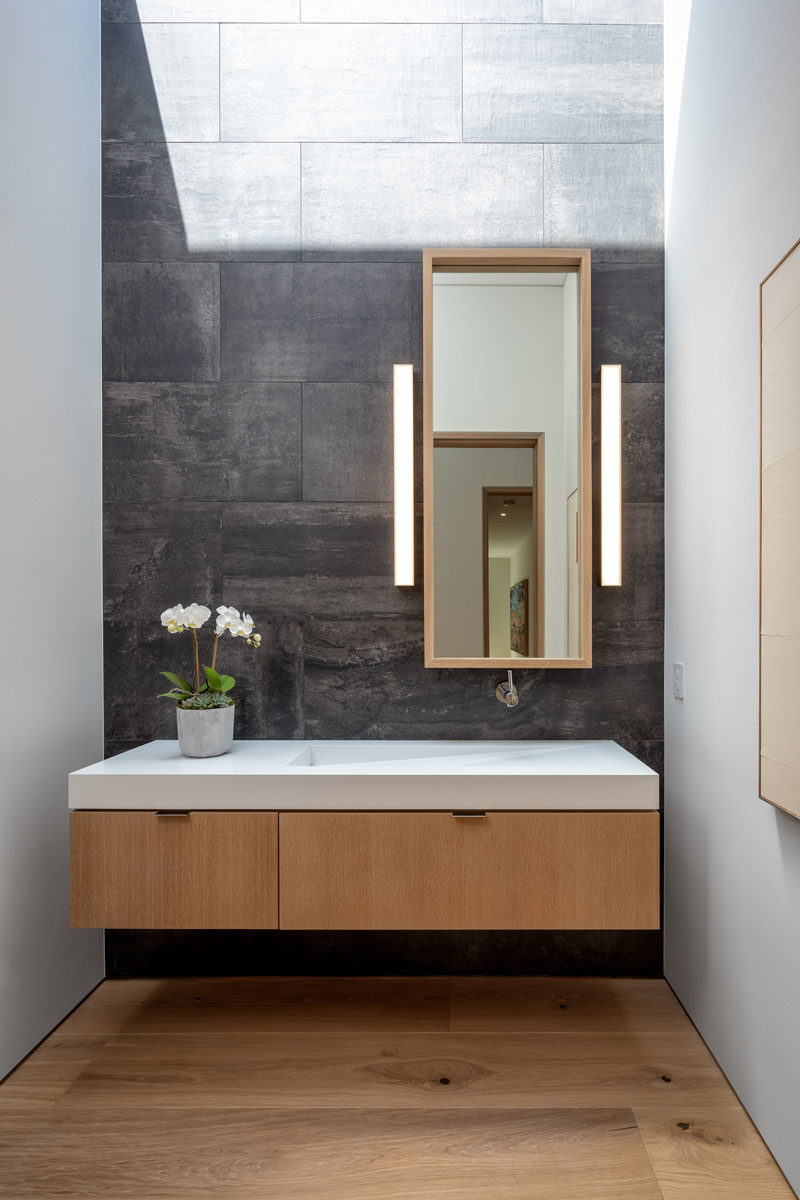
513, 625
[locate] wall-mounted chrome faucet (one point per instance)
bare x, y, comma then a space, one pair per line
506, 693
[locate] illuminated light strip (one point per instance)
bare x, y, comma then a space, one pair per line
610, 476
403, 475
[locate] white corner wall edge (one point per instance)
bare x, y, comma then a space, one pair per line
50, 544
732, 862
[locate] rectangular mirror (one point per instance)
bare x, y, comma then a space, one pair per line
507, 458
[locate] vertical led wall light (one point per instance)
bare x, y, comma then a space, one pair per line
403, 475
610, 476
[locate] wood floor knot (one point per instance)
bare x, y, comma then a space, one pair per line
708, 1135
428, 1074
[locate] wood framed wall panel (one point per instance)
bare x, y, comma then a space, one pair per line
779, 732
200, 870
503, 870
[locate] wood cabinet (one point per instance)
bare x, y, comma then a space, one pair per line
365, 870
438, 870
197, 870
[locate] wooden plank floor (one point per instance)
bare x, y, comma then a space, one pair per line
378, 1089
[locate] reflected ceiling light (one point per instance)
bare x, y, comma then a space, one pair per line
403, 475
610, 476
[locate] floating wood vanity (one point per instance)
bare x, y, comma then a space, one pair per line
367, 835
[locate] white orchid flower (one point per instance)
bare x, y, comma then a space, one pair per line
227, 618
174, 618
195, 616
243, 627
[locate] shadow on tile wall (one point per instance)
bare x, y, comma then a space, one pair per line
264, 214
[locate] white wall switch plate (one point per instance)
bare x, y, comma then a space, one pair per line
677, 680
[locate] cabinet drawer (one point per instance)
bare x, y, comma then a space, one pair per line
200, 870
534, 870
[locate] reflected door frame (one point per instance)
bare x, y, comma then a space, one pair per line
536, 592
510, 441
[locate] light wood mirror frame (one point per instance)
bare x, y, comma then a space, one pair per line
519, 260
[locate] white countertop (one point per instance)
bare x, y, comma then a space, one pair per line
413, 775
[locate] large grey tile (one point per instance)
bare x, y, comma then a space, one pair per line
645, 538
232, 441
562, 83
610, 12
624, 642
341, 83
347, 441
379, 660
201, 200
160, 321
331, 322
134, 654
628, 320
157, 555
422, 10
160, 82
200, 10
269, 681
640, 598
610, 198
295, 560
382, 201
154, 555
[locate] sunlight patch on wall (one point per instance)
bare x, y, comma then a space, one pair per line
237, 197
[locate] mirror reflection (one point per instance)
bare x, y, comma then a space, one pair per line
506, 406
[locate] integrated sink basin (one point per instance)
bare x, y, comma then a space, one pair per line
372, 775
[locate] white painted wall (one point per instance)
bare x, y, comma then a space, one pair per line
498, 359
51, 699
732, 862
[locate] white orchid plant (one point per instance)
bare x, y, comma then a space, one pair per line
213, 691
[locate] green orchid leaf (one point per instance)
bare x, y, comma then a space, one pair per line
179, 683
213, 678
172, 695
226, 682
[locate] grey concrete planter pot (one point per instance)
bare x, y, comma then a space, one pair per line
205, 732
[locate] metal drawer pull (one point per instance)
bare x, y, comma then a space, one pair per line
172, 812
477, 815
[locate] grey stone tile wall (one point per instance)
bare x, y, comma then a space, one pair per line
461, 11
200, 10
269, 184
340, 83
160, 82
387, 200
326, 322
201, 200
545, 83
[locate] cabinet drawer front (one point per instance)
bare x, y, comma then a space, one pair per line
542, 870
199, 870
